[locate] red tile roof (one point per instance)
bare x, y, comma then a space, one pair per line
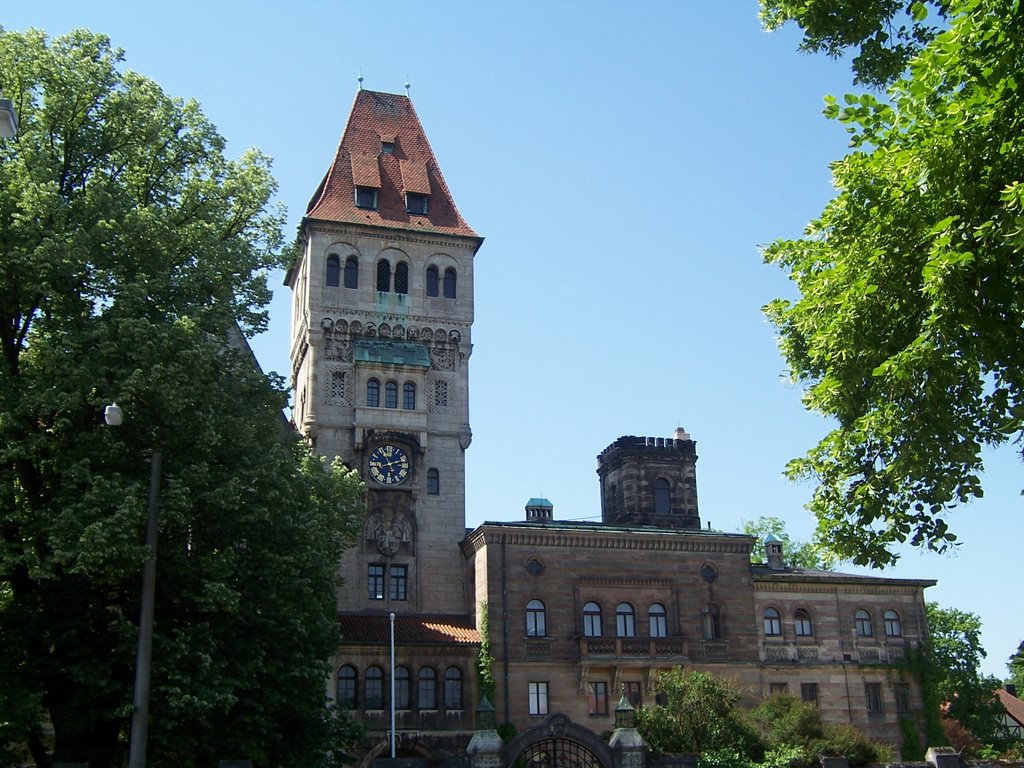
1014, 706
364, 628
411, 167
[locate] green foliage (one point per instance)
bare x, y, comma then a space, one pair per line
800, 554
132, 250
790, 724
1015, 666
913, 750
782, 757
484, 660
906, 333
885, 34
953, 655
699, 715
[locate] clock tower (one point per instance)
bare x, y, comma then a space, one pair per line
380, 343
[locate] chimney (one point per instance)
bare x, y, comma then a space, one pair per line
540, 510
773, 553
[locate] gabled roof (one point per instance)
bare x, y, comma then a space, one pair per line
361, 160
1014, 706
424, 629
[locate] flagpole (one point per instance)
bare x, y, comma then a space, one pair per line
392, 685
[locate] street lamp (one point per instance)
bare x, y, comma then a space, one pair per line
8, 118
113, 416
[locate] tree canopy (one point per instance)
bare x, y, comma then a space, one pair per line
1015, 666
800, 554
907, 332
131, 251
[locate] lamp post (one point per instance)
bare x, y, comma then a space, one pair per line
113, 416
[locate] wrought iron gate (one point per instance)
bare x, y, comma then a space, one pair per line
557, 752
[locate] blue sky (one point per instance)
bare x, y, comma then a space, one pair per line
624, 165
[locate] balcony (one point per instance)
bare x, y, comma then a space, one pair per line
674, 648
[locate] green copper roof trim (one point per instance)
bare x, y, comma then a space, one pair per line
391, 353
535, 502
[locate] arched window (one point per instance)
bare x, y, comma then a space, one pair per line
802, 623
333, 270
351, 272
433, 482
453, 688
893, 627
772, 623
657, 622
862, 622
449, 283
383, 275
402, 277
712, 622
625, 626
374, 688
536, 619
409, 396
662, 497
373, 393
426, 689
401, 687
391, 394
347, 679
432, 281
592, 620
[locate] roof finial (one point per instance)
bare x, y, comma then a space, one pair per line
360, 78
407, 87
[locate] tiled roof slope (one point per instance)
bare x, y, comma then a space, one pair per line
1014, 706
375, 118
364, 628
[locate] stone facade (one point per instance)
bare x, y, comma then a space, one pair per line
577, 614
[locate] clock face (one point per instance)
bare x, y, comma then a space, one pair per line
389, 465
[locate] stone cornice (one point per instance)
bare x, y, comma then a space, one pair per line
593, 538
388, 235
623, 581
875, 585
348, 313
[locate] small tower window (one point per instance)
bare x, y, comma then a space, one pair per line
416, 203
402, 277
409, 396
373, 393
449, 283
662, 497
333, 270
366, 197
432, 281
351, 272
383, 275
391, 394
433, 482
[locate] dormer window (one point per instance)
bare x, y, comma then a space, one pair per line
366, 197
416, 203
387, 147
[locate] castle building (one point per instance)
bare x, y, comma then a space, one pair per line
573, 615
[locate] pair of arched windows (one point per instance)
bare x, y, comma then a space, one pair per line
401, 275
863, 627
391, 394
449, 284
372, 694
334, 273
625, 620
801, 623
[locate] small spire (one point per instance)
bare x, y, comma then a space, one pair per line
407, 86
360, 78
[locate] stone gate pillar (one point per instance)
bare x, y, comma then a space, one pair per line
486, 749
626, 743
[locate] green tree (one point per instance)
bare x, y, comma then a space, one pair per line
885, 34
801, 554
954, 656
699, 714
907, 329
1015, 666
131, 250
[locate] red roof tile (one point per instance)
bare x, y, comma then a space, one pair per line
411, 167
364, 628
